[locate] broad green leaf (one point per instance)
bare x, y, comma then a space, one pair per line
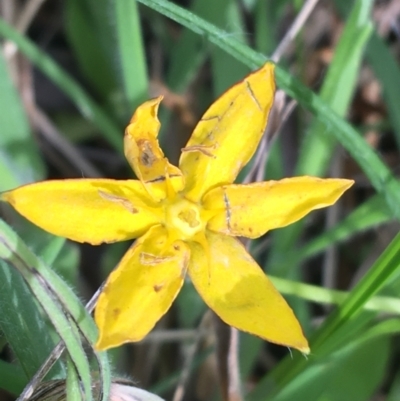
22, 322
345, 375
12, 378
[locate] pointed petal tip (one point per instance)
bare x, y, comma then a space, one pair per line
268, 67
100, 346
106, 342
4, 196
300, 342
348, 183
304, 350
146, 107
343, 185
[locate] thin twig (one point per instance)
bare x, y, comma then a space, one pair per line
257, 171
234, 384
62, 145
22, 23
294, 29
27, 15
170, 336
47, 129
330, 263
227, 377
187, 366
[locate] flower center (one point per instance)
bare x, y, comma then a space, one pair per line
184, 217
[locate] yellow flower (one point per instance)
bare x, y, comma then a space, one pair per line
186, 219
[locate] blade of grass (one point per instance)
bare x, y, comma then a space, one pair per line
317, 147
388, 73
368, 215
265, 26
338, 88
69, 301
19, 156
349, 365
132, 61
187, 55
107, 33
382, 271
225, 69
67, 84
17, 255
322, 295
22, 323
86, 38
72, 385
374, 168
386, 69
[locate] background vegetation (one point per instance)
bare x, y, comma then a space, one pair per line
71, 74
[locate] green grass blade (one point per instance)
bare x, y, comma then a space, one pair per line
82, 29
80, 316
386, 70
337, 91
379, 175
17, 255
265, 26
22, 323
72, 384
132, 61
349, 365
322, 295
107, 33
19, 157
187, 55
338, 88
369, 214
226, 70
71, 305
382, 271
388, 73
67, 84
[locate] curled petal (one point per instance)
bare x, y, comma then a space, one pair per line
144, 154
87, 210
237, 290
228, 134
253, 209
141, 289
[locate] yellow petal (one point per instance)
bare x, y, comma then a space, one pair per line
253, 209
87, 210
141, 289
228, 134
239, 292
144, 154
